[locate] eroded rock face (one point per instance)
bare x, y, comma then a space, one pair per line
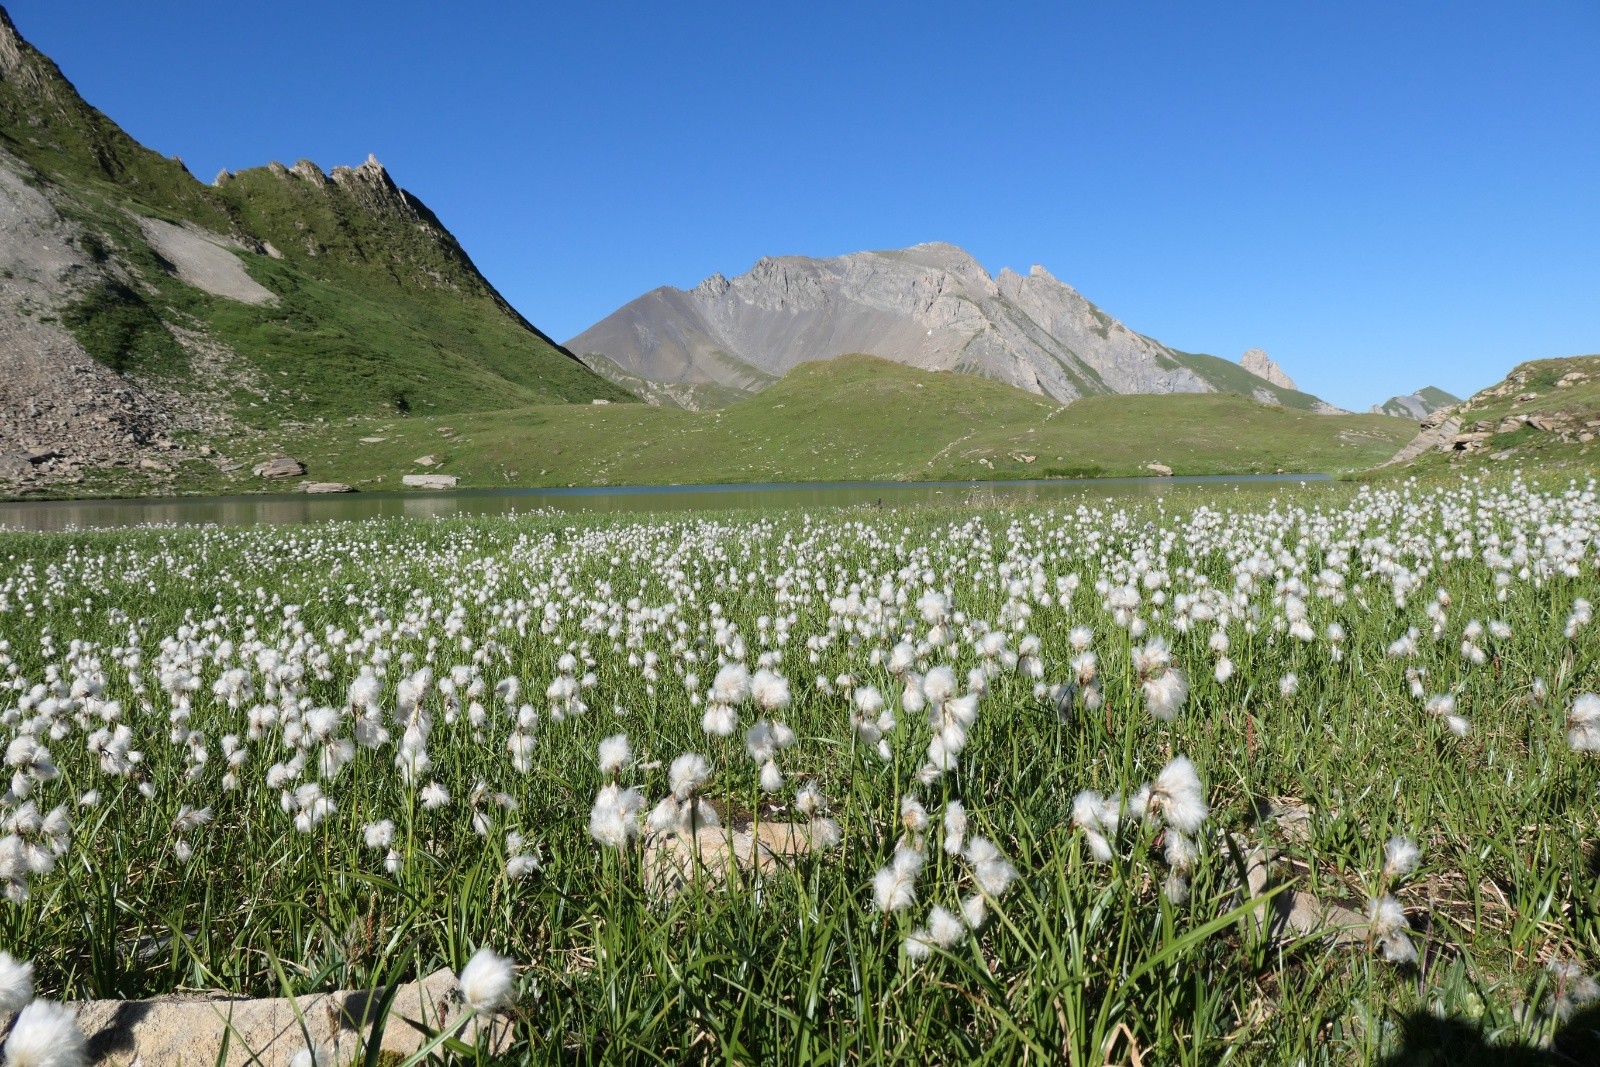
931, 306
206, 261
1257, 362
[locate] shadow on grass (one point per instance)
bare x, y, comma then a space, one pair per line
1427, 1040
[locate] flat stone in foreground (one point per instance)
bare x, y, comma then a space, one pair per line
187, 1030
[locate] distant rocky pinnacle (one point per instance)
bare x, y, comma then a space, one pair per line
931, 306
1257, 362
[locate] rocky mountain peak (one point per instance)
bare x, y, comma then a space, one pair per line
309, 171
25, 66
1257, 362
713, 287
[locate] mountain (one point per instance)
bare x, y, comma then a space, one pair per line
1418, 405
1546, 410
931, 306
145, 315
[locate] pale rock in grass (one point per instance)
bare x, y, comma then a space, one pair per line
429, 481
192, 1027
279, 467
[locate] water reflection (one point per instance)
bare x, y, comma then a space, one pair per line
44, 515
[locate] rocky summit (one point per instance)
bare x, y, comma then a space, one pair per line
1257, 362
931, 306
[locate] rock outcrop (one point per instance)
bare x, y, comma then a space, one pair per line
1547, 403
931, 306
1257, 362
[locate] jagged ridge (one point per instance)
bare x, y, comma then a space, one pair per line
931, 306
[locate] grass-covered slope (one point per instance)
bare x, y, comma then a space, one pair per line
1231, 378
852, 418
378, 307
1546, 411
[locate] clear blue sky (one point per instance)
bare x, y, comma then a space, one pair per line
1383, 196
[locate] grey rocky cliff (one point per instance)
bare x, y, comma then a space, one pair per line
1257, 362
931, 306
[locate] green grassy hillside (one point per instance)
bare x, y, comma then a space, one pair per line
379, 309
852, 418
1545, 411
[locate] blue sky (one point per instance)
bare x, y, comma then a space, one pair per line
1383, 196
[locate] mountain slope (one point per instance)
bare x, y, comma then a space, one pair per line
143, 309
931, 306
1418, 405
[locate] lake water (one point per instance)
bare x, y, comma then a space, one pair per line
45, 515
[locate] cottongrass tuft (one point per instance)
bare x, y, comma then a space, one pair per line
1178, 797
687, 774
1573, 990
614, 819
16, 983
1389, 928
1583, 723
894, 888
1443, 706
1400, 857
615, 754
46, 1034
487, 982
955, 827
1165, 694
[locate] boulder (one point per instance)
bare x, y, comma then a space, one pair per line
191, 1028
429, 481
279, 467
1161, 470
373, 440
670, 858
426, 461
14, 467
328, 487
